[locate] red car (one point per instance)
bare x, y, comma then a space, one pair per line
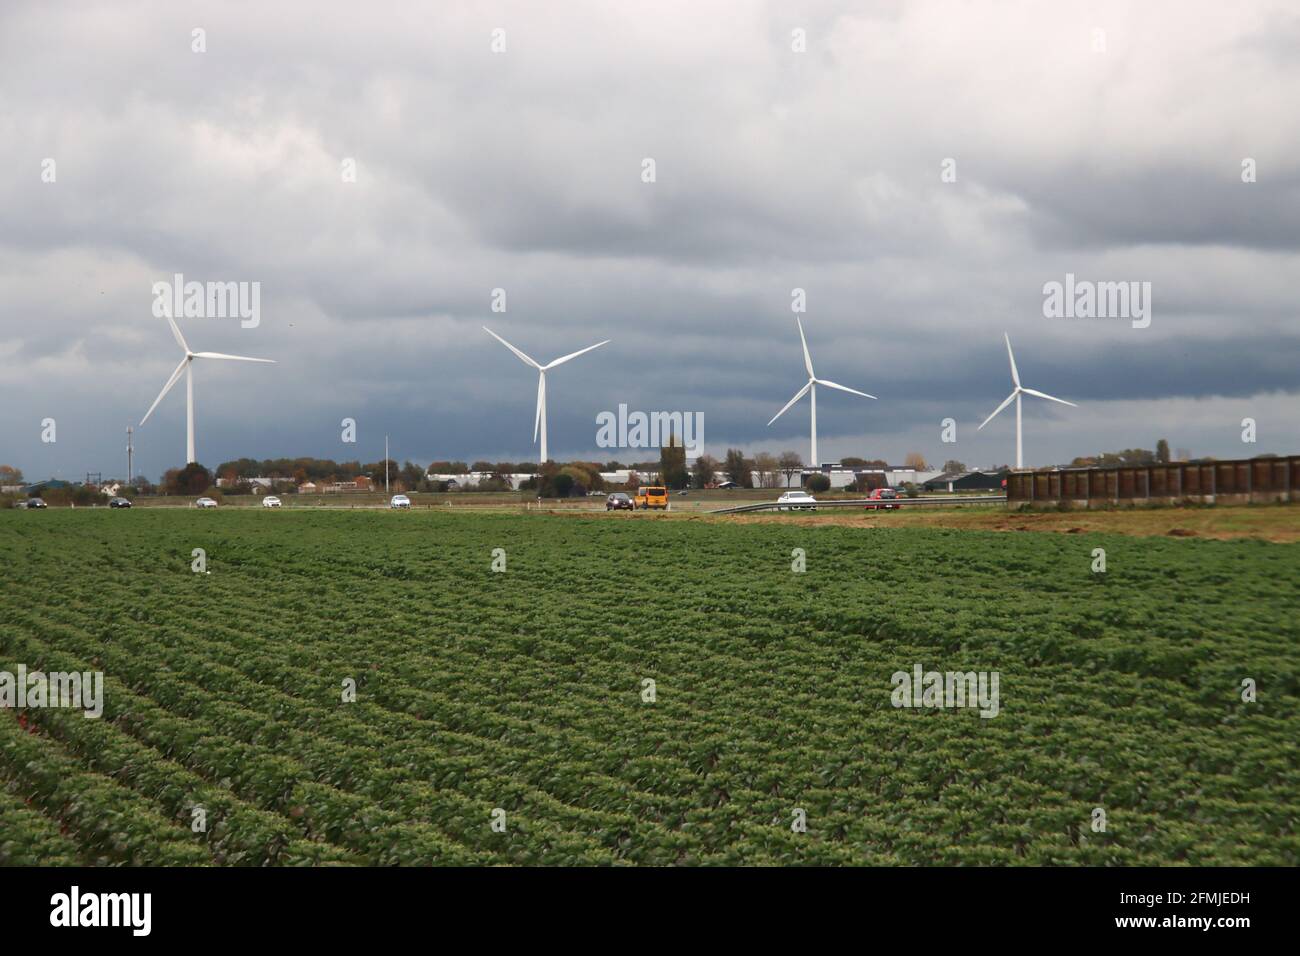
886, 498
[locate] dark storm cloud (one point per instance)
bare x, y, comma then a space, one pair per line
775, 170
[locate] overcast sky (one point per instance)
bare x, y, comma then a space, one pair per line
1115, 156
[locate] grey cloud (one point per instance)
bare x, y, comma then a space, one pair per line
521, 171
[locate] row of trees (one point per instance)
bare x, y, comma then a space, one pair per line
295, 469
768, 470
1128, 456
1142, 456
741, 470
553, 479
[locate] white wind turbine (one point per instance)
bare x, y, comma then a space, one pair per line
539, 422
1016, 393
186, 362
811, 389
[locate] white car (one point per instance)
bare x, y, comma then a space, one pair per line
794, 500
270, 501
205, 503
400, 501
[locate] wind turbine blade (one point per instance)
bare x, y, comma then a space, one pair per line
176, 333
573, 355
1015, 375
233, 358
999, 408
176, 375
843, 388
807, 359
522, 357
541, 403
1050, 398
797, 395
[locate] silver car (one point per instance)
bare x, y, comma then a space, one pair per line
796, 500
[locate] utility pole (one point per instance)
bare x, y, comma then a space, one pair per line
129, 451
385, 465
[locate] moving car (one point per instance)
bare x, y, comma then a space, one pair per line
205, 503
887, 498
400, 501
652, 496
119, 502
796, 501
619, 501
32, 503
270, 501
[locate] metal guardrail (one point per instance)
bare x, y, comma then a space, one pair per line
864, 502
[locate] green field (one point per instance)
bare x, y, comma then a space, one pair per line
523, 691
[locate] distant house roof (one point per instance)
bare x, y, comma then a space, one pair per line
47, 483
966, 479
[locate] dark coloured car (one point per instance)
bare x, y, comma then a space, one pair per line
35, 503
618, 501
119, 503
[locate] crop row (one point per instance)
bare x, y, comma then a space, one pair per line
522, 691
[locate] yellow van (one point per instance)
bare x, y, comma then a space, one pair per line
652, 496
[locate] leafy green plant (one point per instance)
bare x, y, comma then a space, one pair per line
523, 692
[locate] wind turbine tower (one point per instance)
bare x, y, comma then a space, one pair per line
1016, 392
539, 421
810, 389
186, 367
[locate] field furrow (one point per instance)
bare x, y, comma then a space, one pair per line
526, 692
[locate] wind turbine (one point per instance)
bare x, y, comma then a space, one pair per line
1016, 393
186, 362
811, 388
539, 422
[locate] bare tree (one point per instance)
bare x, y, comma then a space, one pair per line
789, 464
767, 467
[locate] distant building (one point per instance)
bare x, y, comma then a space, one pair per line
455, 481
254, 483
36, 487
966, 481
902, 476
870, 478
361, 483
621, 476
